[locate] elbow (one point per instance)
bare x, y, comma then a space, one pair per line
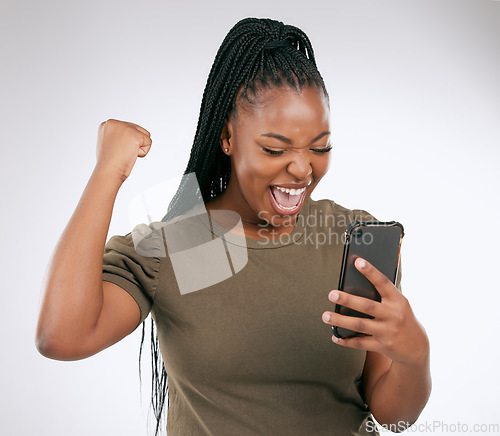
60, 346
48, 347
56, 346
43, 348
395, 426
55, 340
45, 339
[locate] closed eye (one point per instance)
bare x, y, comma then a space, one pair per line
322, 150
278, 153
273, 152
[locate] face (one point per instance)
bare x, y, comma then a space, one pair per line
279, 150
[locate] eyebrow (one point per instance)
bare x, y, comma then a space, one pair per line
288, 140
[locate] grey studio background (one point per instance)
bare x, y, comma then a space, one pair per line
415, 90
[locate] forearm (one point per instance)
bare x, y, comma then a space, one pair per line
72, 290
400, 395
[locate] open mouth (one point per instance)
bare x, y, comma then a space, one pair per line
287, 201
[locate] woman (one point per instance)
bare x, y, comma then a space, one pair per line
249, 353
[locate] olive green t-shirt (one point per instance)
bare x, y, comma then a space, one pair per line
248, 354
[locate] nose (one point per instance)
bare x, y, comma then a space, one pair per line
300, 167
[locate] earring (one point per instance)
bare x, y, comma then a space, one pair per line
226, 150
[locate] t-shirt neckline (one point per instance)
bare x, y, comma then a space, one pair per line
265, 243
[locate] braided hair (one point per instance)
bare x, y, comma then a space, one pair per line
256, 54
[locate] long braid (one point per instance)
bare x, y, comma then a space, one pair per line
246, 60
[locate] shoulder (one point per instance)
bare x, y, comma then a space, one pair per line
332, 211
134, 260
144, 241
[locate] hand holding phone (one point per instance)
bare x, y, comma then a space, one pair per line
377, 242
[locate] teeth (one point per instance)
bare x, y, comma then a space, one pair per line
287, 208
291, 191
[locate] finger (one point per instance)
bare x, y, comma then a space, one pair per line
361, 304
367, 343
146, 141
141, 129
361, 325
383, 285
144, 150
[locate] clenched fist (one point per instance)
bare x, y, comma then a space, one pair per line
119, 144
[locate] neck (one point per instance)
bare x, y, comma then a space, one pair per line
253, 227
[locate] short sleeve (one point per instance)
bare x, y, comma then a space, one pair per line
363, 215
135, 273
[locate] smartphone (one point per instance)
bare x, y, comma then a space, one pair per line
380, 244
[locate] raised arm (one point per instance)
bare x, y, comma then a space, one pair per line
80, 314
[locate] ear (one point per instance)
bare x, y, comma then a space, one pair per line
225, 137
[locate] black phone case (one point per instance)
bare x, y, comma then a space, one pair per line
380, 244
